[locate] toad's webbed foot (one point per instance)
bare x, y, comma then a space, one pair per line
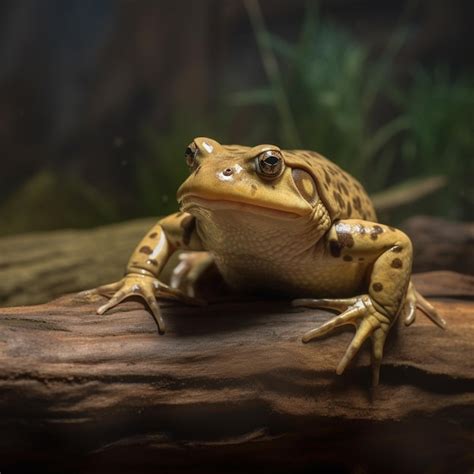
413, 301
364, 315
149, 289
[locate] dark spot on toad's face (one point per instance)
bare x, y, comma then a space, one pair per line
273, 186
153, 235
152, 261
397, 249
188, 224
335, 248
377, 286
396, 263
254, 189
146, 250
392, 229
344, 189
347, 258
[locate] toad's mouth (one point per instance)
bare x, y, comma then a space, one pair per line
192, 201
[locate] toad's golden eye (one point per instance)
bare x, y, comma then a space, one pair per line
270, 164
190, 156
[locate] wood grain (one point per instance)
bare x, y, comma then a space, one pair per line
231, 388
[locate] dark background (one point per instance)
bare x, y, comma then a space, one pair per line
98, 99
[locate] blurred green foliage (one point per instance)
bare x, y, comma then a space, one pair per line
332, 95
331, 87
337, 93
439, 111
326, 91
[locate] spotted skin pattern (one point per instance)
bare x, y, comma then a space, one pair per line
284, 221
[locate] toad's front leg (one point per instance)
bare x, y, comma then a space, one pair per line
176, 231
374, 312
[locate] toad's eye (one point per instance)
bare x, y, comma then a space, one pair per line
270, 164
190, 156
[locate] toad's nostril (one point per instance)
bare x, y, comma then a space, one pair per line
228, 172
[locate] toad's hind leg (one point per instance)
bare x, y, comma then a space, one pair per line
374, 312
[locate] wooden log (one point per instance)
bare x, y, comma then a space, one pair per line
231, 388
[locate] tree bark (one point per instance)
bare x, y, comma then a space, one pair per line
231, 388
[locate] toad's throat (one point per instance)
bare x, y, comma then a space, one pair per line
192, 201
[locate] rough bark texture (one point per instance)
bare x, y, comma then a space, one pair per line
231, 388
37, 267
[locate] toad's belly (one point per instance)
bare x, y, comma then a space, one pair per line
303, 275
258, 253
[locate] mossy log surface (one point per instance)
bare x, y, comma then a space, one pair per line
231, 388
37, 267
